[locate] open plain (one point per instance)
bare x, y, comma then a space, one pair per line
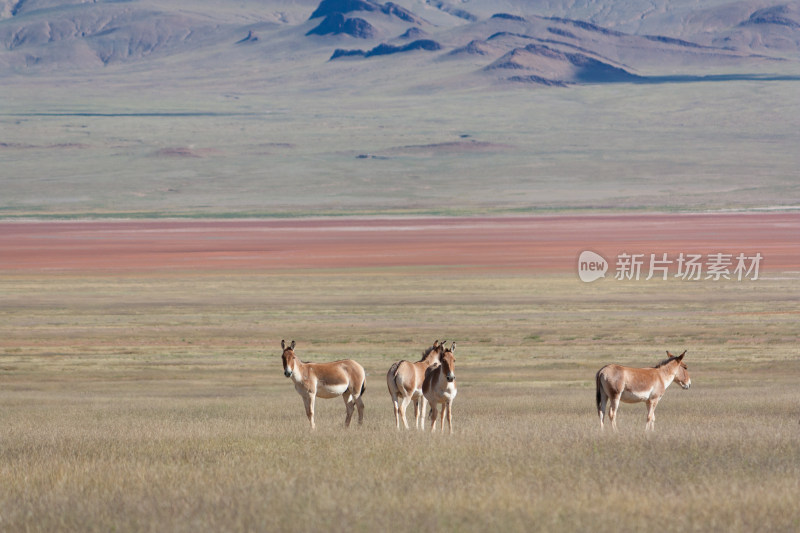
141, 387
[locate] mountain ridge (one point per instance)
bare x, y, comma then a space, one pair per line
39, 36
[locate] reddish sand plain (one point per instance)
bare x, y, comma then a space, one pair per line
533, 243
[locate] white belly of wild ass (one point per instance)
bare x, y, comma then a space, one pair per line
331, 391
629, 396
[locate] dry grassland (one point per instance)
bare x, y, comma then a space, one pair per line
158, 404
275, 150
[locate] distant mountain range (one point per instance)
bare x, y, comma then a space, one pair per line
478, 41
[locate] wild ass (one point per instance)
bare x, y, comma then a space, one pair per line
404, 380
344, 378
633, 385
439, 387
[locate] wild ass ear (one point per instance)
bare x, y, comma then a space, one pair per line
283, 344
435, 344
453, 347
292, 346
669, 354
680, 357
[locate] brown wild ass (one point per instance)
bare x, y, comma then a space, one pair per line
344, 378
632, 385
404, 380
439, 387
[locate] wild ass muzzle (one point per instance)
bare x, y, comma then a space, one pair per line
617, 383
404, 380
344, 378
439, 387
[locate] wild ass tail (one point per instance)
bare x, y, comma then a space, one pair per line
597, 394
391, 375
363, 387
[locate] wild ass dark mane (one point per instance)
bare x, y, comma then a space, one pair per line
435, 347
668, 360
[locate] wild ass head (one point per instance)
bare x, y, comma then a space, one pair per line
448, 361
682, 377
288, 358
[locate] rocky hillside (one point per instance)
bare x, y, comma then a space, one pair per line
482, 41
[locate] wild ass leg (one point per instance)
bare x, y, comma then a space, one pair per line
308, 401
651, 415
449, 407
396, 411
360, 406
403, 406
433, 417
441, 416
612, 410
350, 406
419, 412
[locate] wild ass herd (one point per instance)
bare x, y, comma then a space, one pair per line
432, 380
